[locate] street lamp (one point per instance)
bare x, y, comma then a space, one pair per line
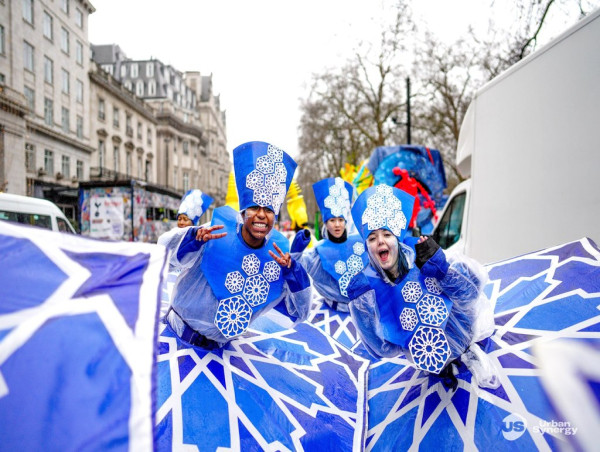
407, 123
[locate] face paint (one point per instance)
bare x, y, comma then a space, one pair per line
258, 222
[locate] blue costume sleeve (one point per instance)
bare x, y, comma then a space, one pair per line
297, 297
188, 243
365, 315
301, 241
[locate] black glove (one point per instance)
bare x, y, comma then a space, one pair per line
425, 250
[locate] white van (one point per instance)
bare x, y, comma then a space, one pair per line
34, 212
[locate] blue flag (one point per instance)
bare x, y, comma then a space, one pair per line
78, 319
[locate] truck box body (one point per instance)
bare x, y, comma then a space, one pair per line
530, 142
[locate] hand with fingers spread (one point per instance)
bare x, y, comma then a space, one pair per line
206, 234
285, 260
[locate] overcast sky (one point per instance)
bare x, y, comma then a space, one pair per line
261, 52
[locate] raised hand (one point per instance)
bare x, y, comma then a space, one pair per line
205, 234
285, 260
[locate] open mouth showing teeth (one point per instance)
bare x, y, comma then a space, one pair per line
259, 226
383, 255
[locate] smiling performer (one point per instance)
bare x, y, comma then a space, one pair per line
338, 257
238, 268
425, 307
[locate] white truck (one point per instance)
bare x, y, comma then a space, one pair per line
530, 148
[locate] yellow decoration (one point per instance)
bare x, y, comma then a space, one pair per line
231, 198
360, 177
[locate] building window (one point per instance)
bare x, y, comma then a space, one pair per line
29, 158
64, 40
149, 136
79, 169
49, 161
79, 53
134, 70
79, 18
147, 171
175, 178
28, 56
48, 26
149, 69
30, 97
48, 111
186, 182
79, 91
186, 150
64, 6
65, 81
128, 163
139, 167
151, 88
128, 126
65, 119
101, 109
116, 166
139, 89
28, 11
139, 130
2, 39
108, 68
48, 70
123, 70
115, 117
79, 126
101, 152
66, 166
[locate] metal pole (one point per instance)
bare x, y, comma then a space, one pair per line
408, 110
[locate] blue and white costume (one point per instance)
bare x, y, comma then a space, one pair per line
428, 314
193, 204
225, 284
332, 264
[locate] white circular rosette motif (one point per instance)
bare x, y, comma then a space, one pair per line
429, 349
256, 290
234, 282
271, 271
432, 285
384, 209
408, 319
432, 310
233, 316
250, 264
268, 178
412, 292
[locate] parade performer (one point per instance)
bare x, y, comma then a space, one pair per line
338, 256
425, 307
193, 205
238, 267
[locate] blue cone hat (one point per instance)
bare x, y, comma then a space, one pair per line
193, 204
383, 207
334, 197
263, 174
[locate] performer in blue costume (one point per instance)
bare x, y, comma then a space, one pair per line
232, 276
193, 205
425, 307
338, 257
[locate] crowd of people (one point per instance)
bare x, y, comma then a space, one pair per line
404, 295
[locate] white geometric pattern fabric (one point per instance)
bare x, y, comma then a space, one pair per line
338, 200
384, 209
352, 266
412, 292
268, 179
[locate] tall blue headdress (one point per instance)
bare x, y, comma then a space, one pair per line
334, 197
263, 174
383, 207
193, 204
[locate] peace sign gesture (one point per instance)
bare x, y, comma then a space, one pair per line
205, 234
285, 260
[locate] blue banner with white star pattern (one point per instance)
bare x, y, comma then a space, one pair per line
77, 328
